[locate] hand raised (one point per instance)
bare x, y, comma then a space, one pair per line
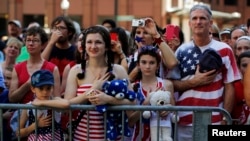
55, 36
116, 47
150, 27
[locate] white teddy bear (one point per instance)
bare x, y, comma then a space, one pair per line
160, 98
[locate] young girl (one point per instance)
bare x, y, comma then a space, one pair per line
42, 82
95, 68
148, 62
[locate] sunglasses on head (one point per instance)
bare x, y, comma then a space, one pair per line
148, 48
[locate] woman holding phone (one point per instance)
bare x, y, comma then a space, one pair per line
146, 35
119, 45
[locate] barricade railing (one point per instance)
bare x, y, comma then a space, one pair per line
201, 116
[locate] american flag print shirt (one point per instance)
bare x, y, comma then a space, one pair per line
207, 95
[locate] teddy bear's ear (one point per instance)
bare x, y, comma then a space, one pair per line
125, 81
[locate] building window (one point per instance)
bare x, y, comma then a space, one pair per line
27, 19
230, 2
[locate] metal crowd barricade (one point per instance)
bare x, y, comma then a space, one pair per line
201, 118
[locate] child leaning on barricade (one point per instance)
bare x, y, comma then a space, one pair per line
42, 83
6, 113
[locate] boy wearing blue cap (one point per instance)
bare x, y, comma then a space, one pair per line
42, 82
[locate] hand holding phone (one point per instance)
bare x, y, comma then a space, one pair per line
114, 36
172, 31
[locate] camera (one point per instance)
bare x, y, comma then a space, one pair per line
138, 22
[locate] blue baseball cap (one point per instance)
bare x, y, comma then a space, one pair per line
41, 78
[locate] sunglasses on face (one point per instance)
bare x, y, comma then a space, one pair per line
215, 34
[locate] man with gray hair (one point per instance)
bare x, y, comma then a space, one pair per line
197, 85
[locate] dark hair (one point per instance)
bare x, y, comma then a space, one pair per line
123, 38
38, 30
68, 22
248, 23
106, 38
78, 55
239, 27
242, 55
181, 36
109, 21
148, 50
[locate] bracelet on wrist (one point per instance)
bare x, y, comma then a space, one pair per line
158, 41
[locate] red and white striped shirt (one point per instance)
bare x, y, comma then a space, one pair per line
92, 124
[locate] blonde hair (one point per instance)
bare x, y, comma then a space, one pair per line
13, 40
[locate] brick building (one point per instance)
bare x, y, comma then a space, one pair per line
91, 12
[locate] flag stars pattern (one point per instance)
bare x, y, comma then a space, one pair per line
189, 58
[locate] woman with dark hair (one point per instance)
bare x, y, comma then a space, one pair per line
148, 62
119, 43
96, 67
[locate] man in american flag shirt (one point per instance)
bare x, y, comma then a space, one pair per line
211, 88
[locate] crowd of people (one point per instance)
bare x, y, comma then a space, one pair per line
71, 64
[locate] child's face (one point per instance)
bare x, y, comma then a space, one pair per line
7, 77
148, 65
42, 93
243, 64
